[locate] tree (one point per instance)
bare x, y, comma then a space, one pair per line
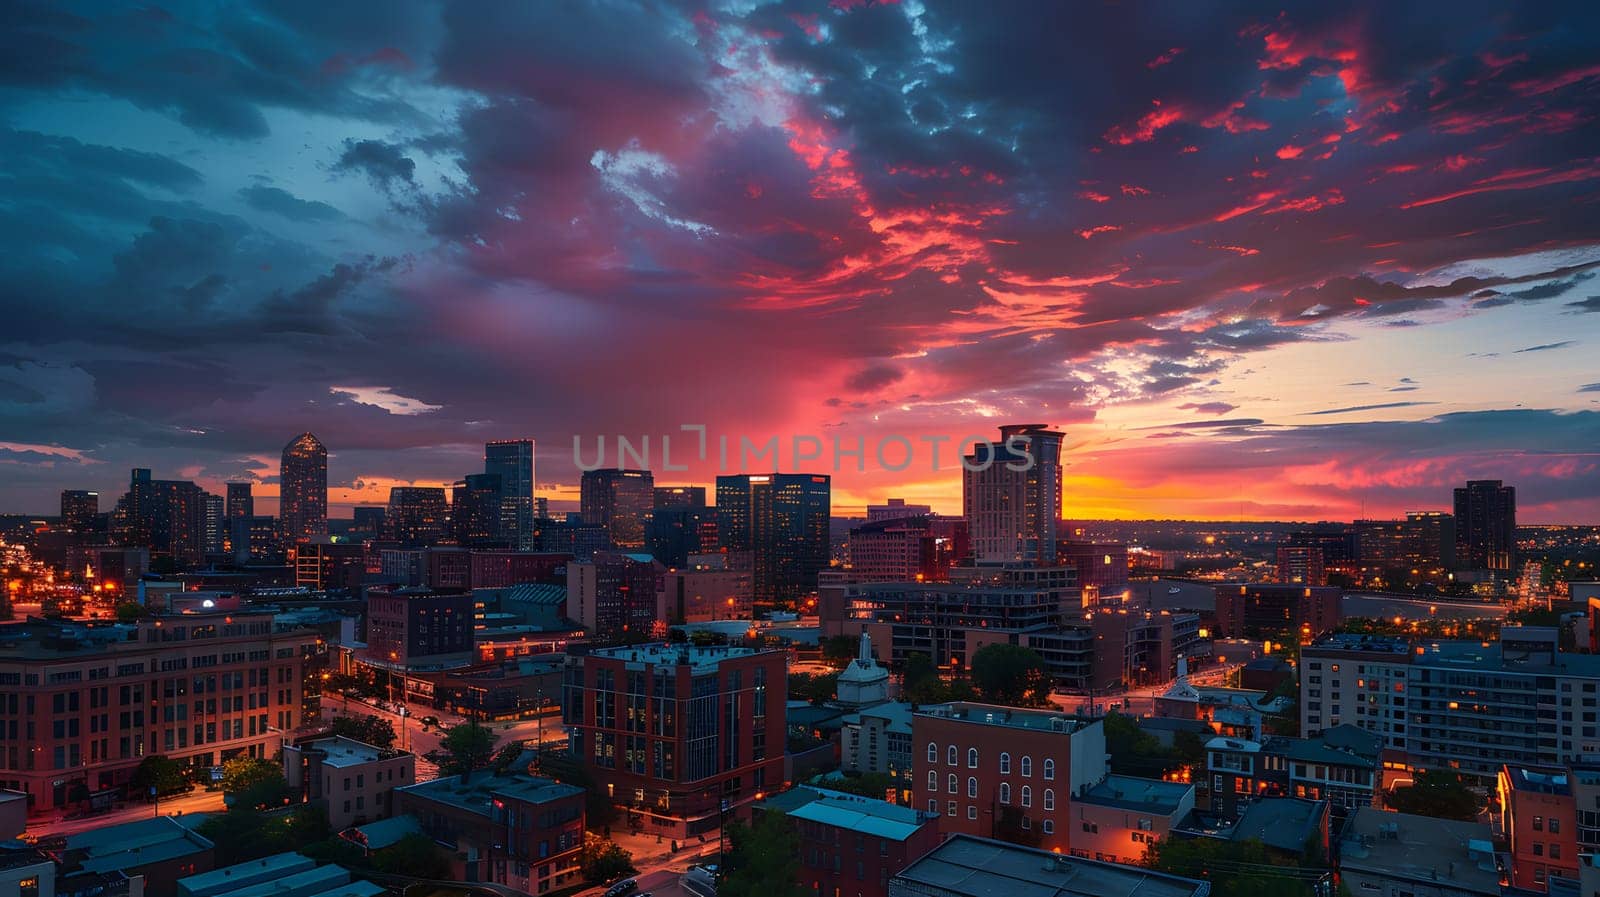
414, 856
870, 784
159, 772
602, 860
816, 689
763, 859
507, 755
251, 783
367, 729
840, 649
466, 747
917, 673
1134, 751
1010, 674
1437, 793
129, 611
1235, 868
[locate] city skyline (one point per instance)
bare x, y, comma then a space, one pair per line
1310, 264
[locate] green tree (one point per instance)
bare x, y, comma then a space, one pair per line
602, 860
814, 688
367, 729
160, 772
916, 673
1133, 751
466, 748
252, 783
840, 649
414, 856
763, 859
1235, 868
1010, 674
129, 611
871, 784
1437, 793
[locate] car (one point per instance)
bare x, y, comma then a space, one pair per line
626, 886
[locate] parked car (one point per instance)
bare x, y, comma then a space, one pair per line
622, 888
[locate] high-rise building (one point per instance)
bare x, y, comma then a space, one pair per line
896, 509
79, 510
679, 530
215, 523
241, 501
165, 516
782, 520
512, 461
1301, 565
418, 516
676, 496
416, 625
1011, 495
476, 516
619, 500
1282, 613
303, 489
367, 520
240, 507
1486, 525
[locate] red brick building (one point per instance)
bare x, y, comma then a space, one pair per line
510, 828
850, 845
676, 732
1003, 772
83, 705
1286, 613
499, 569
1539, 819
412, 624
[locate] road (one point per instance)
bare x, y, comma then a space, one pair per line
194, 802
1139, 701
421, 741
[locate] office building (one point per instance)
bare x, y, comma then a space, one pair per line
1393, 854
905, 549
1011, 495
416, 626
620, 501
368, 521
1281, 613
80, 510
966, 866
476, 511
677, 733
81, 705
782, 520
511, 829
499, 569
1486, 526
512, 460
701, 596
581, 540
677, 531
214, 523
1425, 541
326, 566
851, 844
679, 496
1301, 565
896, 509
238, 507
418, 516
165, 516
303, 489
1102, 568
353, 781
1003, 772
614, 594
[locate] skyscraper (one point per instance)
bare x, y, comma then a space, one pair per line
512, 461
782, 520
680, 496
475, 511
214, 524
303, 489
417, 515
1486, 525
79, 508
1012, 502
240, 507
620, 501
165, 516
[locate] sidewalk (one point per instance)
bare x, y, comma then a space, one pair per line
647, 853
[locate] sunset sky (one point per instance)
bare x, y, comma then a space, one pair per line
1320, 261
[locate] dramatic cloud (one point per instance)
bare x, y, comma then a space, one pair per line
789, 217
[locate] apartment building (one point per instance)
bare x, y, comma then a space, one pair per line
82, 704
353, 780
508, 828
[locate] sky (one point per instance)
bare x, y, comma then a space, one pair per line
1305, 261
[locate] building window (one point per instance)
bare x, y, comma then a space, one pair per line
933, 805
1049, 827
1005, 763
952, 783
1049, 770
1049, 799
1555, 826
972, 758
933, 752
950, 755
933, 780
972, 786
1005, 793
1027, 766
972, 812
1027, 796
1538, 823
951, 807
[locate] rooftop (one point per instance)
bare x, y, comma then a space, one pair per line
1130, 793
1537, 780
700, 657
341, 751
230, 878
477, 796
850, 812
1421, 848
977, 867
135, 844
1286, 823
534, 593
1007, 717
386, 832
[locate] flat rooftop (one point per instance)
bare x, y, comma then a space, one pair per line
477, 796
853, 812
699, 657
1538, 780
1421, 848
135, 844
1006, 717
342, 752
1132, 793
978, 867
1286, 823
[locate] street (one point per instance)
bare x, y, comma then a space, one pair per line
195, 802
419, 741
1139, 701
